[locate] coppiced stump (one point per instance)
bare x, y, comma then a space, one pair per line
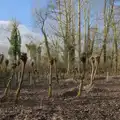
24, 60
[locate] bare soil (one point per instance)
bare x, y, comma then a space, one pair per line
102, 102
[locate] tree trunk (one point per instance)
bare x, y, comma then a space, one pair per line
56, 71
107, 23
105, 32
116, 48
88, 28
20, 84
79, 35
73, 36
82, 79
68, 67
50, 61
66, 34
14, 81
85, 40
50, 81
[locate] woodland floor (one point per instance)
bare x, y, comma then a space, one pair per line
101, 103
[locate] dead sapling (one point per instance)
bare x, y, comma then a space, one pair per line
23, 59
83, 60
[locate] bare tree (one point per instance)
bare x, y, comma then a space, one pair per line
107, 22
115, 43
40, 19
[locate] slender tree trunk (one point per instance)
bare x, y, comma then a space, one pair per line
61, 27
50, 80
56, 71
73, 35
50, 61
66, 34
79, 34
85, 39
112, 57
93, 40
68, 67
105, 32
107, 22
88, 27
116, 48
82, 79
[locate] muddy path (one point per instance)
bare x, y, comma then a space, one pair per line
101, 103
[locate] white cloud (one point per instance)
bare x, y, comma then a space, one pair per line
24, 31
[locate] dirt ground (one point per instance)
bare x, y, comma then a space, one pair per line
101, 103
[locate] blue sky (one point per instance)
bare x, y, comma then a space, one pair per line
22, 9
19, 9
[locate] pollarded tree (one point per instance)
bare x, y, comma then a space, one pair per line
35, 53
32, 48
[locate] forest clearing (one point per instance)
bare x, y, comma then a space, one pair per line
72, 74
